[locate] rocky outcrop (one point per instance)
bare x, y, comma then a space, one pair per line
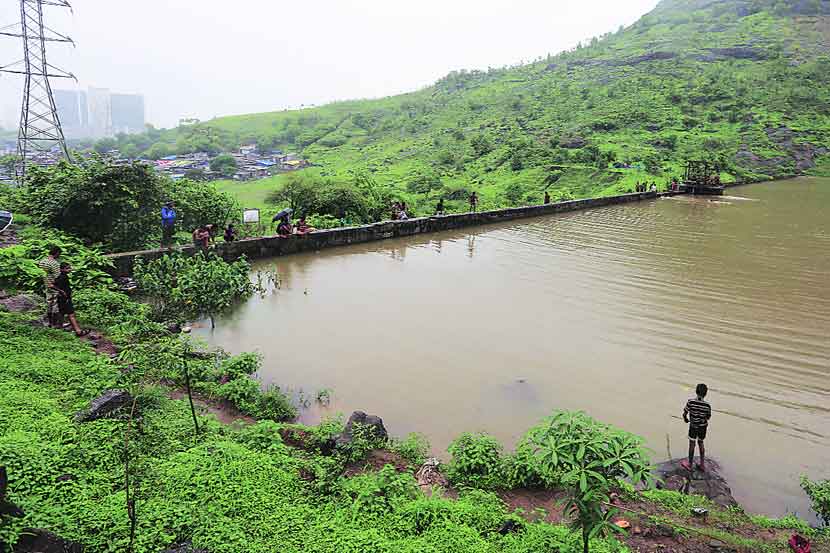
373, 427
572, 142
799, 156
108, 403
803, 153
708, 483
651, 56
736, 53
19, 304
774, 166
41, 541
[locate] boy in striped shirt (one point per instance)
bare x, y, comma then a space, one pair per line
697, 413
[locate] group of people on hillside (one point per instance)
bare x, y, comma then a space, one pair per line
644, 187
58, 290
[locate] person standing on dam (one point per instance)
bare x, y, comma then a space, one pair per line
168, 224
473, 202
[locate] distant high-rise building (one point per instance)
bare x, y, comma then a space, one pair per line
67, 103
127, 113
72, 111
97, 113
100, 112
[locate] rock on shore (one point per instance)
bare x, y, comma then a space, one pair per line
709, 483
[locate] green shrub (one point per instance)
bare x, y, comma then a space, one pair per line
364, 440
787, 522
476, 461
380, 492
414, 448
676, 502
274, 405
243, 392
262, 436
18, 270
114, 205
323, 221
244, 364
200, 203
592, 457
819, 493
19, 264
522, 469
181, 287
104, 309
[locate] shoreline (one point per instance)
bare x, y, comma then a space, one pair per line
657, 516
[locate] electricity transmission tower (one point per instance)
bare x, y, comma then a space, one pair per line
40, 128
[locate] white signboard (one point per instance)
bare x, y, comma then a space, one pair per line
250, 216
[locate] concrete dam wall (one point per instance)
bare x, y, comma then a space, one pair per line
272, 246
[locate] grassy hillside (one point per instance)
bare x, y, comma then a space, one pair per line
740, 82
145, 478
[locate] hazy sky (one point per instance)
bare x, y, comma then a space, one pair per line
203, 58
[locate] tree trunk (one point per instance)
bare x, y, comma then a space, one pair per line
190, 396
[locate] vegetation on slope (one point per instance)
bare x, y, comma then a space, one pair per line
743, 83
273, 486
115, 206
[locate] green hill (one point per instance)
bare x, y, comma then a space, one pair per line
740, 82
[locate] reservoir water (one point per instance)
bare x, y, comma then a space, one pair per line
618, 311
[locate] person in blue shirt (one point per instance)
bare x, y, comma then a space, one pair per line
168, 224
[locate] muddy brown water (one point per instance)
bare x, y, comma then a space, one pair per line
618, 311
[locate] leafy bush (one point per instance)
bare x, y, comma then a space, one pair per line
787, 522
181, 287
323, 221
18, 270
224, 164
675, 501
103, 308
273, 404
591, 456
476, 461
414, 448
243, 392
200, 203
364, 439
819, 493
244, 364
114, 205
380, 492
262, 436
523, 469
19, 263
